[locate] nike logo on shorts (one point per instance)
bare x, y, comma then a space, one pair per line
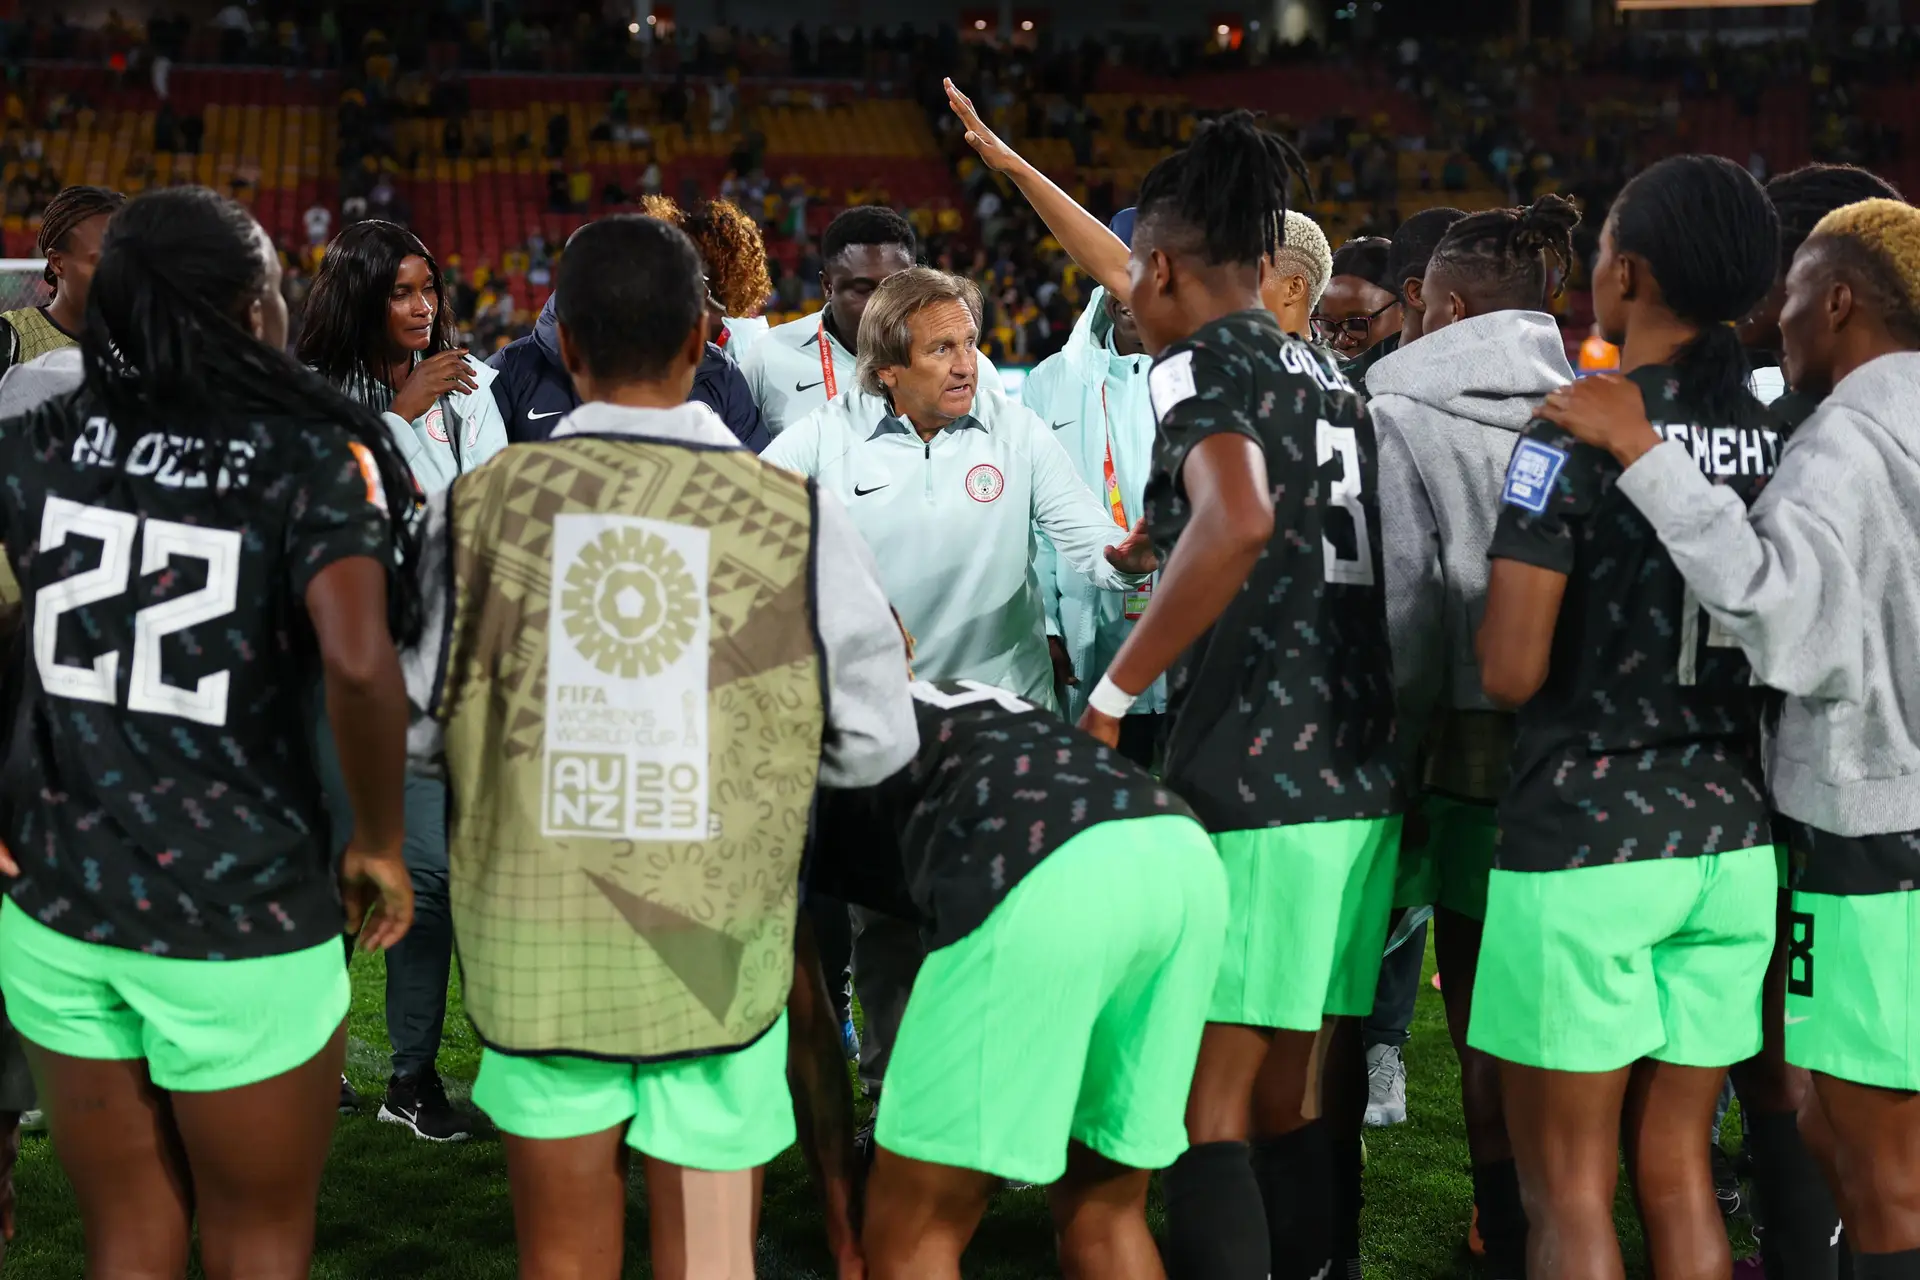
858, 492
551, 413
1794, 1022
1067, 423
807, 386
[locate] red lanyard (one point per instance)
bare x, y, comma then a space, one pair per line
826, 363
1112, 477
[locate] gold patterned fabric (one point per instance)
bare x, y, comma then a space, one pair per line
634, 708
34, 334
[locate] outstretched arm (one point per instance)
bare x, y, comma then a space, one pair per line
1100, 253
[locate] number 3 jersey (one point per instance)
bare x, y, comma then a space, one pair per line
177, 808
1283, 712
1644, 740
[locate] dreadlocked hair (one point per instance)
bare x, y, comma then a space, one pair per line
1228, 188
1712, 240
1506, 250
168, 345
1805, 195
730, 246
345, 338
70, 207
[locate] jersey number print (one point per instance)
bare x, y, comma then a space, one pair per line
164, 540
1346, 493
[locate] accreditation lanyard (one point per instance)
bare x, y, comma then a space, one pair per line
1137, 598
826, 363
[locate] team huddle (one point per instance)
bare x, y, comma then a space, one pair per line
1613, 674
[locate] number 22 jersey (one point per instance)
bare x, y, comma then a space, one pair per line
1283, 711
1644, 740
163, 583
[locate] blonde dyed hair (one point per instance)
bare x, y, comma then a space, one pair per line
1879, 243
1305, 253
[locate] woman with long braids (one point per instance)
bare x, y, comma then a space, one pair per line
1284, 751
378, 330
1819, 586
71, 230
204, 536
1630, 912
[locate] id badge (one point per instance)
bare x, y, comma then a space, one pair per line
1137, 600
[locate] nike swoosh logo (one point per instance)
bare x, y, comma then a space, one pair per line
1794, 1022
858, 492
807, 386
1067, 423
535, 417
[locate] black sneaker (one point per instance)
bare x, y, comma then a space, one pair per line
420, 1103
349, 1100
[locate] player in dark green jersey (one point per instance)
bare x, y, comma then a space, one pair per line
1630, 915
1281, 716
202, 534
1074, 912
1819, 585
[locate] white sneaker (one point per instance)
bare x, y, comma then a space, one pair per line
1386, 1086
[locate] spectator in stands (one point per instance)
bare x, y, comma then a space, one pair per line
71, 232
1358, 311
800, 365
1093, 393
319, 220
558, 195
376, 328
1301, 268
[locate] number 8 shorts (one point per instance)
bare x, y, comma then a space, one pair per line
1853, 977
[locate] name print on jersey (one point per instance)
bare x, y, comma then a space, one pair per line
157, 456
626, 742
1725, 452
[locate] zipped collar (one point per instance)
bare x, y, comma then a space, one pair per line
892, 425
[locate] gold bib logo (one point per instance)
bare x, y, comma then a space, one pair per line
629, 604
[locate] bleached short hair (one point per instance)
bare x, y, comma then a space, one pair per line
1306, 253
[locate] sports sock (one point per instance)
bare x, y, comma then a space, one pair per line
1216, 1228
1904, 1265
1348, 1199
1795, 1204
1295, 1184
1503, 1219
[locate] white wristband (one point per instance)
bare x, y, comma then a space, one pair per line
1110, 700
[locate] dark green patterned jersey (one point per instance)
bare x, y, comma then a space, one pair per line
1283, 711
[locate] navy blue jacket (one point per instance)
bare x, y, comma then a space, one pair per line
534, 390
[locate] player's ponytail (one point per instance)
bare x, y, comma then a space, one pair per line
1507, 251
167, 344
1230, 186
1709, 234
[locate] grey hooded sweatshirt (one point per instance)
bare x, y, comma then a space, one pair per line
1447, 410
1820, 584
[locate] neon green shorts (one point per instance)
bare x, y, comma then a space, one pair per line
1450, 870
1073, 1012
202, 1025
722, 1112
1853, 976
1307, 921
1593, 968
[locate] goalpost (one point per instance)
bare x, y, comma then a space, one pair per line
21, 284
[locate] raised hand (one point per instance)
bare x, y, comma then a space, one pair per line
996, 154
